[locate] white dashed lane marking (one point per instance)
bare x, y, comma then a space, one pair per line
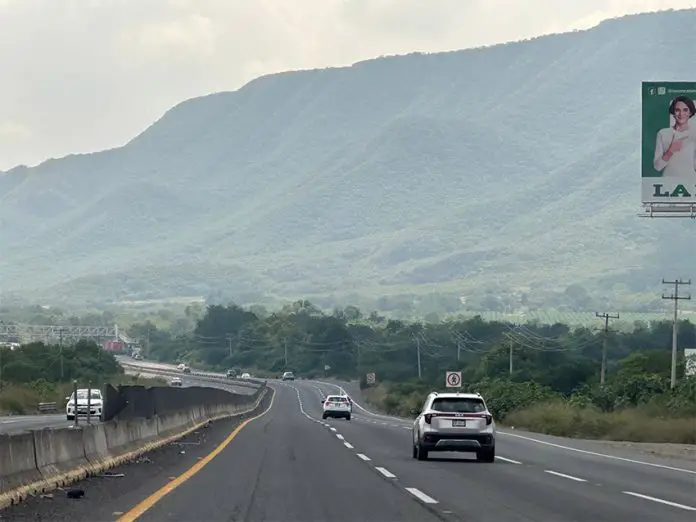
563, 475
348, 445
385, 472
363, 457
339, 436
508, 460
421, 496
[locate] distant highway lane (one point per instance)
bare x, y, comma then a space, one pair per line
535, 478
19, 423
198, 378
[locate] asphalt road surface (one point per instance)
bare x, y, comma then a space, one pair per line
534, 478
19, 423
289, 465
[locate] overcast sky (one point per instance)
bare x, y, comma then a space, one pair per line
84, 75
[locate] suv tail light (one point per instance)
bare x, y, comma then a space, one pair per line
489, 419
427, 417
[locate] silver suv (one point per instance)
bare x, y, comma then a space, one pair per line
454, 422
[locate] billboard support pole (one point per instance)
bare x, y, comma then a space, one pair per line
675, 325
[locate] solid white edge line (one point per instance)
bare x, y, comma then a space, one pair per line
571, 477
508, 460
348, 445
586, 452
339, 436
661, 501
363, 457
385, 472
421, 496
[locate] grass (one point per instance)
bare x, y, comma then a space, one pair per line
23, 399
631, 425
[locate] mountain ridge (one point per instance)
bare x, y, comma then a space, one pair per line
420, 173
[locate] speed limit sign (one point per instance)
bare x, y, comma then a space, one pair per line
453, 379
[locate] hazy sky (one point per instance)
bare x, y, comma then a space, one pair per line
84, 75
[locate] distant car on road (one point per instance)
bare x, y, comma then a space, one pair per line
336, 406
95, 401
231, 374
176, 382
288, 376
246, 376
454, 422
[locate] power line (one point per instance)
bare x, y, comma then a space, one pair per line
675, 325
606, 316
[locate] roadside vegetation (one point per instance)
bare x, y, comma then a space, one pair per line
553, 385
38, 372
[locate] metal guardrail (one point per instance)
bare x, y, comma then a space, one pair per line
47, 407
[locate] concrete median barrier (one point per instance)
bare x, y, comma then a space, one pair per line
17, 464
59, 451
96, 447
41, 460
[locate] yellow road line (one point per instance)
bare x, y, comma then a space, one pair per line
150, 501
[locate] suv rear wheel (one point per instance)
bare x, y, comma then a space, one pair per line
487, 455
421, 452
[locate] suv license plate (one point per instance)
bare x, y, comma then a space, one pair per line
459, 423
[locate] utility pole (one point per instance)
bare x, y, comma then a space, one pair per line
675, 325
606, 316
229, 338
285, 348
511, 348
419, 359
459, 349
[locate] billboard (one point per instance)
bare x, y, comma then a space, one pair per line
690, 356
669, 142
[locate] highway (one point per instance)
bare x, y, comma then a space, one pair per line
19, 423
289, 465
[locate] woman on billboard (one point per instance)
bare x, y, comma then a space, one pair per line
675, 149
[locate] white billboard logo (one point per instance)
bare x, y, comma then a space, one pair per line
662, 91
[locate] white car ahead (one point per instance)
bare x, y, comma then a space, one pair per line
337, 406
95, 403
176, 382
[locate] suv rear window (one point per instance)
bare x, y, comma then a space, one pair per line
459, 405
338, 399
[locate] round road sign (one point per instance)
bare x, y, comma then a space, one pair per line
454, 379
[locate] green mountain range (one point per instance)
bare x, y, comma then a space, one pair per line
506, 174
